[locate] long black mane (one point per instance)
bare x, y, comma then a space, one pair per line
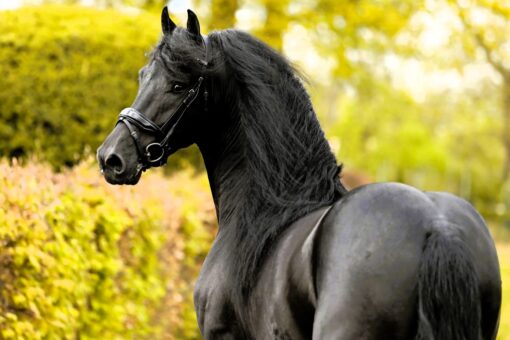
274, 164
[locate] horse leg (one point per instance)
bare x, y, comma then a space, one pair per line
368, 307
366, 285
347, 322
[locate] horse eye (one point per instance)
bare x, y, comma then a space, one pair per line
177, 87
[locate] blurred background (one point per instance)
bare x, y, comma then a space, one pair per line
410, 91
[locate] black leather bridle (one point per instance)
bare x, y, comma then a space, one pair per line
156, 153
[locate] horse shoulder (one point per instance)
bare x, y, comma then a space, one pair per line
285, 290
214, 309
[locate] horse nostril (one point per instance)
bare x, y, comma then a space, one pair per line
115, 163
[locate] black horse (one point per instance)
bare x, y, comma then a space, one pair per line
297, 256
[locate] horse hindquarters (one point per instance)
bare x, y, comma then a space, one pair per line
397, 263
448, 291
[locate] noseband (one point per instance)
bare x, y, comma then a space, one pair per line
156, 153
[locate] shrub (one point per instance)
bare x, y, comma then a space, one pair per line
81, 259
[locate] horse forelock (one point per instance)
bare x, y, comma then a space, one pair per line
179, 52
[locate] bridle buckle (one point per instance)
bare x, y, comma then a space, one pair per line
154, 153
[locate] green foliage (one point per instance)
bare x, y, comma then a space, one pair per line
275, 23
449, 143
223, 14
346, 30
66, 73
504, 322
83, 260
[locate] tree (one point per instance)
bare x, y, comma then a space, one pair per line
223, 14
487, 25
275, 23
354, 30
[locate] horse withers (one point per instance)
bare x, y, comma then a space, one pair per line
297, 256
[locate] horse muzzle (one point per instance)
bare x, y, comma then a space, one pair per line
116, 169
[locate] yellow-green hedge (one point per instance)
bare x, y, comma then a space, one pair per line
65, 73
81, 259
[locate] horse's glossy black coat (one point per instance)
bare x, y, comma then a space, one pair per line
296, 255
355, 275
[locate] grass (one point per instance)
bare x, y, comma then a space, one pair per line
504, 260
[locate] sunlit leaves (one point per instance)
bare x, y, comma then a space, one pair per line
82, 259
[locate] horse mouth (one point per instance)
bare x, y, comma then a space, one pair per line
115, 179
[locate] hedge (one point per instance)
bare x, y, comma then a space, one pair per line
66, 72
84, 260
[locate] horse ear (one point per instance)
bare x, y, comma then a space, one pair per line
193, 24
167, 24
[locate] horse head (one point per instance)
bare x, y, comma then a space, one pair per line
171, 99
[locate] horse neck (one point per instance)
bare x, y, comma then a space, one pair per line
242, 191
232, 181
225, 169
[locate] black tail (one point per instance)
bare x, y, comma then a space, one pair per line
449, 297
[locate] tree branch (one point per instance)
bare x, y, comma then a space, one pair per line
488, 54
480, 41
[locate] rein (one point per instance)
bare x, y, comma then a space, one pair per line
156, 153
